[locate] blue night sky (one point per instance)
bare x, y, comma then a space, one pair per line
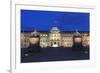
45, 20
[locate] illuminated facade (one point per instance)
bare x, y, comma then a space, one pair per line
67, 39
34, 38
24, 41
77, 41
44, 41
54, 38
85, 39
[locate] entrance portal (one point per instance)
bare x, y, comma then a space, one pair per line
55, 44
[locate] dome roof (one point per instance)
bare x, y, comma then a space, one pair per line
55, 29
77, 33
34, 33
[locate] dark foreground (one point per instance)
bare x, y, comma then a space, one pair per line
53, 54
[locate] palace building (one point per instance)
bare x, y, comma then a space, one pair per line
55, 38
